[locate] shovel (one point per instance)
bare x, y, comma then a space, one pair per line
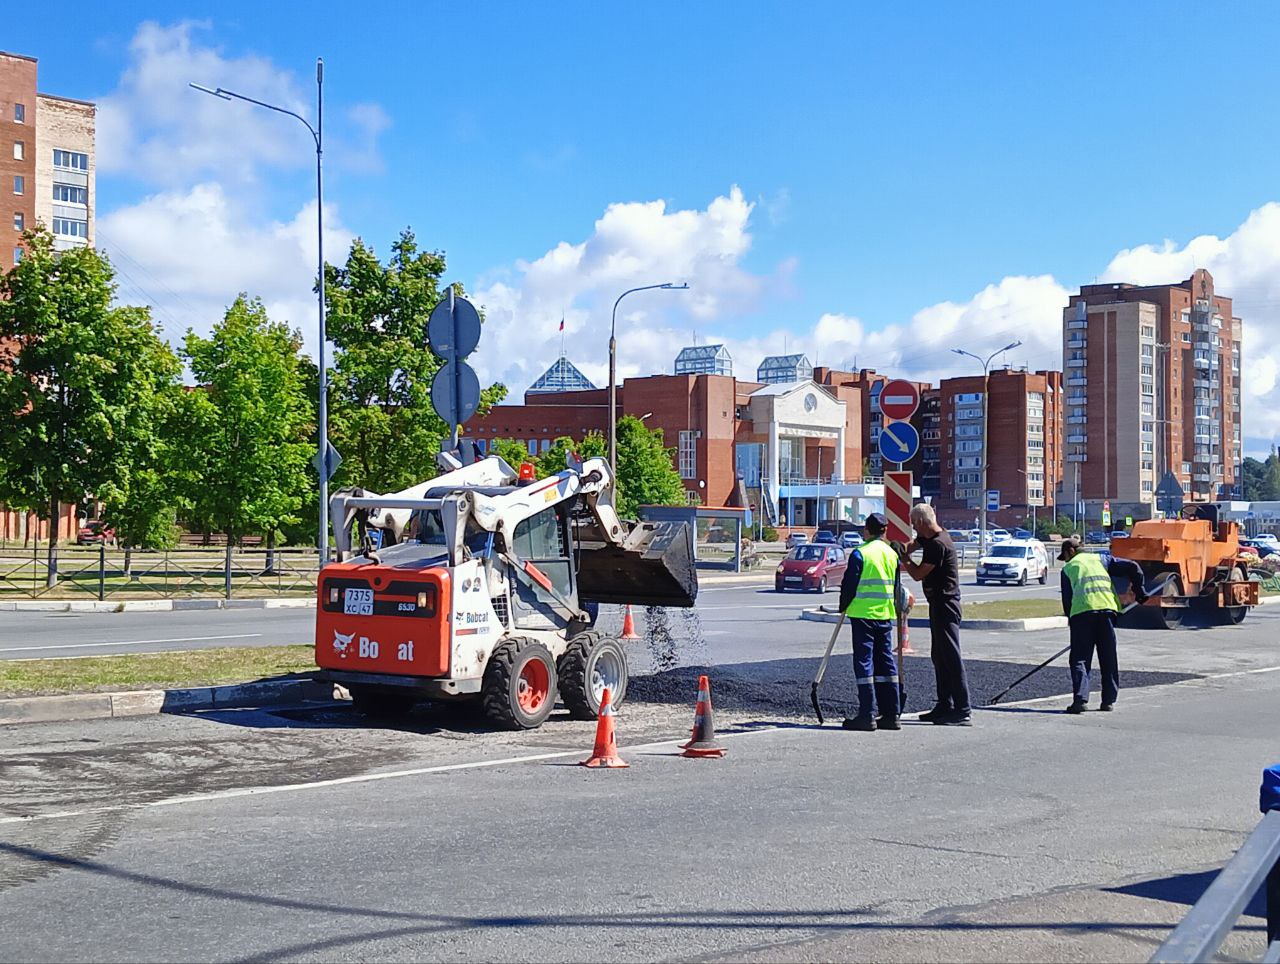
822, 670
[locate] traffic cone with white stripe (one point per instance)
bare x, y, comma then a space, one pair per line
629, 626
703, 743
605, 754
904, 628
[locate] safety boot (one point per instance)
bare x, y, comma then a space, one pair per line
864, 724
1076, 708
888, 723
939, 710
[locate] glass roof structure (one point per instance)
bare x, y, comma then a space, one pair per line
562, 376
704, 360
784, 368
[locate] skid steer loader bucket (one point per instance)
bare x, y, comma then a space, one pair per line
653, 567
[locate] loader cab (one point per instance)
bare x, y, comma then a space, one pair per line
544, 541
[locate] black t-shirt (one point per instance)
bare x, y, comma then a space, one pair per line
941, 552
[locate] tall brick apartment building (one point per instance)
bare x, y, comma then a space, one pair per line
47, 173
1153, 386
1024, 437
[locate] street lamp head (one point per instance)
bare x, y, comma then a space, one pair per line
1011, 347
209, 90
682, 286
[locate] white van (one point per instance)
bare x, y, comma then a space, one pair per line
1017, 560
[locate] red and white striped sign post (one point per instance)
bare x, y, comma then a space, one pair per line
897, 505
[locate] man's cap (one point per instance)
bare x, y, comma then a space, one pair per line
1070, 542
876, 522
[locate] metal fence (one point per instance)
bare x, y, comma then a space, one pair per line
101, 573
1207, 924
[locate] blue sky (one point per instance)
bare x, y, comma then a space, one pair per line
909, 179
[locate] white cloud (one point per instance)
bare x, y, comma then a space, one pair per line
1246, 267
643, 243
199, 235
188, 252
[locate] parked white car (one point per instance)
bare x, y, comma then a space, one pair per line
1018, 560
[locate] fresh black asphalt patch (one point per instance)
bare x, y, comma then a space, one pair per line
782, 686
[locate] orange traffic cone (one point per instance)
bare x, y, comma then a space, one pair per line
904, 629
703, 743
605, 754
629, 626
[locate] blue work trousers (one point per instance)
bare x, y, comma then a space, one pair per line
874, 667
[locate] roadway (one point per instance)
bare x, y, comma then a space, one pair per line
37, 635
308, 833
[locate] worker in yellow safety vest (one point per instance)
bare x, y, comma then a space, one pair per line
868, 596
1090, 603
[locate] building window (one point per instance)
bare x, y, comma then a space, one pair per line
1148, 388
71, 160
532, 445
19, 221
19, 184
688, 455
19, 113
1148, 351
1147, 370
19, 151
66, 194
17, 255
70, 228
1148, 331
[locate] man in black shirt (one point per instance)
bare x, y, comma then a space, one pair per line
940, 576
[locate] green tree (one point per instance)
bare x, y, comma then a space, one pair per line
246, 425
380, 413
1253, 475
79, 387
512, 451
1271, 481
646, 475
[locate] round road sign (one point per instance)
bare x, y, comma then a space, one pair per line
455, 405
453, 333
899, 442
899, 399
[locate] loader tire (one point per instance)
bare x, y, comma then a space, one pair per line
519, 688
381, 704
591, 662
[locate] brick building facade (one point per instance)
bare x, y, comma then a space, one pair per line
1153, 386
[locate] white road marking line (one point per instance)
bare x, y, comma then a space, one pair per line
1180, 682
364, 778
129, 642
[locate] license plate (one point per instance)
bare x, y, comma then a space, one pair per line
357, 602
791, 578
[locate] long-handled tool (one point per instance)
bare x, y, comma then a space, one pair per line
902, 667
1002, 693
822, 670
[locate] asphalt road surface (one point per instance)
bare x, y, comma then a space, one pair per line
309, 833
33, 635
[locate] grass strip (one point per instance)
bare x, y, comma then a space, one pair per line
1013, 609
142, 671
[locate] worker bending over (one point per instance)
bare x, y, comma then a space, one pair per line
868, 595
1091, 606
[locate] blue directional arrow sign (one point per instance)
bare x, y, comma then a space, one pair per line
899, 442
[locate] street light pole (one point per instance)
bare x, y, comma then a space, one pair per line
613, 369
986, 398
317, 135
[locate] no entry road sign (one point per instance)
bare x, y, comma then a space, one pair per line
899, 399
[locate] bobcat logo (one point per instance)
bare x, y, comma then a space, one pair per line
341, 643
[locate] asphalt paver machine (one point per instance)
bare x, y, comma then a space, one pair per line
483, 584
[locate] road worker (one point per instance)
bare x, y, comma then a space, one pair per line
868, 595
1090, 603
940, 576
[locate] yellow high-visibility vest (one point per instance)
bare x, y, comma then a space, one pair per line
874, 598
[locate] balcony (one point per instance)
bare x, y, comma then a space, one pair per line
1078, 439
1078, 420
1081, 457
1075, 324
1077, 341
1077, 362
1077, 381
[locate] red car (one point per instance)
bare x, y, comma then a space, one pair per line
814, 567
95, 531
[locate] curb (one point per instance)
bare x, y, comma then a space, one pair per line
1016, 625
154, 605
100, 706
